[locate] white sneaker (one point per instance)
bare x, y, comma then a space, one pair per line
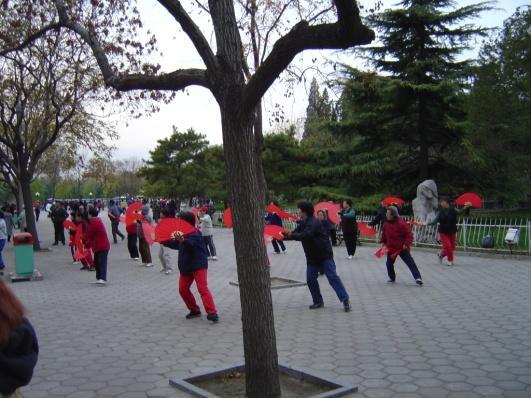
101, 282
148, 265
135, 259
349, 257
214, 258
284, 252
168, 272
450, 263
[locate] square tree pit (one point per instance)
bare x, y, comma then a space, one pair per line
230, 383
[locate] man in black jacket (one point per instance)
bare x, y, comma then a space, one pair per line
58, 216
319, 256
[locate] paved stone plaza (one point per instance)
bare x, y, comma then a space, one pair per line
466, 333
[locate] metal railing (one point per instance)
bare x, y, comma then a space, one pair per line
470, 235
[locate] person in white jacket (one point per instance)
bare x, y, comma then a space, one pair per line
207, 230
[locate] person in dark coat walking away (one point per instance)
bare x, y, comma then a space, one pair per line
397, 237
96, 238
193, 266
379, 218
114, 216
19, 348
58, 216
319, 256
37, 210
349, 227
447, 220
274, 219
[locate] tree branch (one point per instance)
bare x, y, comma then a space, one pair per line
30, 39
175, 8
176, 80
347, 32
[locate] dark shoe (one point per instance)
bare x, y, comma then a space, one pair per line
193, 314
213, 317
419, 282
55, 244
83, 268
346, 305
390, 281
316, 305
91, 269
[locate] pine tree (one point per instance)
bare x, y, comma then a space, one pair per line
312, 111
421, 41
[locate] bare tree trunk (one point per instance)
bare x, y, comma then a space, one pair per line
259, 147
25, 186
246, 194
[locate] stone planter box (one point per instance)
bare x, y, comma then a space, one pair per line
330, 387
278, 282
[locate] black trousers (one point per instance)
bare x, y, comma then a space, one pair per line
145, 252
350, 241
100, 264
406, 257
276, 244
132, 245
59, 231
333, 237
115, 230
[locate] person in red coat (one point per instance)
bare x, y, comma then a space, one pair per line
397, 237
96, 238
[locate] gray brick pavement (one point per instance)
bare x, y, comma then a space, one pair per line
464, 334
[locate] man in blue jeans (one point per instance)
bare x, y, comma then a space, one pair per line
319, 256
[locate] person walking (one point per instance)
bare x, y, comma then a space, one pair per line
274, 219
397, 237
96, 238
319, 256
193, 266
3, 239
58, 216
114, 216
37, 210
8, 217
19, 348
349, 227
207, 230
447, 220
143, 246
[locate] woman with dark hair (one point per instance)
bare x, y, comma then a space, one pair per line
397, 237
3, 239
349, 227
193, 266
96, 238
19, 348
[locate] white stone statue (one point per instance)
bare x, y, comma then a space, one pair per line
426, 203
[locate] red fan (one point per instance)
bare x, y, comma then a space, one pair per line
331, 208
275, 231
68, 224
272, 208
80, 248
365, 230
393, 200
382, 251
149, 232
133, 213
227, 217
167, 226
473, 198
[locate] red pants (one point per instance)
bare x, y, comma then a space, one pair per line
448, 245
200, 277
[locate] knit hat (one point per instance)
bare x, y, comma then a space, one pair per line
393, 210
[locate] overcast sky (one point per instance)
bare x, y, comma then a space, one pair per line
197, 108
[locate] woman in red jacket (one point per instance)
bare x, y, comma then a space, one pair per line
96, 238
397, 237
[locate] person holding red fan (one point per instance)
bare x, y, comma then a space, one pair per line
96, 238
397, 237
193, 266
447, 220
